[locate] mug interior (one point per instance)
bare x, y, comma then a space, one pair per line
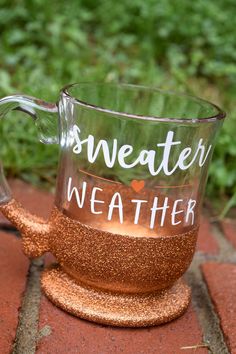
142, 102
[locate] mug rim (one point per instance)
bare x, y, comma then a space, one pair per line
220, 114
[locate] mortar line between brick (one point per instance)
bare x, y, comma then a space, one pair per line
27, 329
207, 317
227, 250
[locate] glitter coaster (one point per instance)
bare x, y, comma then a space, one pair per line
117, 309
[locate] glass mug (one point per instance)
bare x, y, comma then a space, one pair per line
132, 173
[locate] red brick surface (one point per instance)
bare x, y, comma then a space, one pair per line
229, 228
36, 201
206, 242
221, 281
74, 336
61, 333
14, 268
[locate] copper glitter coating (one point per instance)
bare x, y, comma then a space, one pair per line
34, 230
117, 269
119, 263
129, 310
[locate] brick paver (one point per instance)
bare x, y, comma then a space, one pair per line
229, 228
206, 242
62, 333
13, 275
74, 336
37, 201
221, 281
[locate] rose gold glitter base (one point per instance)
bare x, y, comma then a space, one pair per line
117, 309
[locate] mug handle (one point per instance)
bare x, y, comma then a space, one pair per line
34, 230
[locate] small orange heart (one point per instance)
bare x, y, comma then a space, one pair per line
137, 185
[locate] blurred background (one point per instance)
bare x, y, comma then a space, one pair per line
187, 46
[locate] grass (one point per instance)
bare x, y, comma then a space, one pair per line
173, 45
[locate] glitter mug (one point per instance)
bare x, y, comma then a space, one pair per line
132, 172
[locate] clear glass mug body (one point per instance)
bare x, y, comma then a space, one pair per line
134, 182
132, 172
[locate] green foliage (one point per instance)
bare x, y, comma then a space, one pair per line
47, 44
